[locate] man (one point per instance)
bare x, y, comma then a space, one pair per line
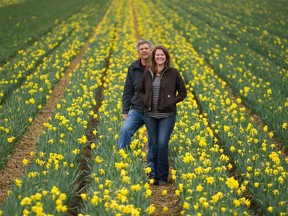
132, 107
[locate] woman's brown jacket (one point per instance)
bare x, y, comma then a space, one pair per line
172, 90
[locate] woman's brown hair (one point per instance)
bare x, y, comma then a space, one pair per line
153, 64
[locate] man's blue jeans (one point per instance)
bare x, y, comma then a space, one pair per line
132, 123
159, 132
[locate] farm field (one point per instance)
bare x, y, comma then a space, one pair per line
63, 66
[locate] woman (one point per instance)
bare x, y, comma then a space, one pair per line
160, 89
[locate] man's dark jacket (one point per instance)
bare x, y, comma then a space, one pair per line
129, 99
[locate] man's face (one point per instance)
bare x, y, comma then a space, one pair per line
144, 51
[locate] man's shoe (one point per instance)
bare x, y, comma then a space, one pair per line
156, 182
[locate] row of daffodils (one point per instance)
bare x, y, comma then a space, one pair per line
28, 80
248, 49
223, 164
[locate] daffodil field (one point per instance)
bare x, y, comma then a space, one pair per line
229, 146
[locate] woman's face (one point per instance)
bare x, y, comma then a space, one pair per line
160, 57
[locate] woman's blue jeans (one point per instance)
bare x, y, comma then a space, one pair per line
159, 132
132, 123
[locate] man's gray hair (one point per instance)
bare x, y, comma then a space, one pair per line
143, 41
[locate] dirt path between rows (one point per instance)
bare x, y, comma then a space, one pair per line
14, 168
